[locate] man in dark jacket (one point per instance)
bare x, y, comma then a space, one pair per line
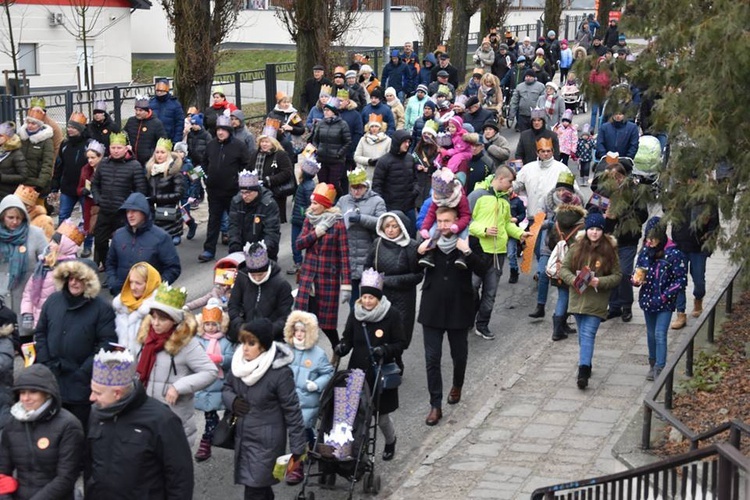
444, 62
612, 34
395, 178
115, 179
75, 323
197, 140
140, 241
448, 306
68, 167
311, 92
137, 448
378, 107
168, 110
526, 149
395, 74
618, 135
356, 90
102, 125
254, 216
144, 130
225, 157
476, 115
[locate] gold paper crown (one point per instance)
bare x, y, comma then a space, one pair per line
544, 143
326, 89
71, 231
342, 94
164, 143
566, 178
78, 117
170, 296
27, 194
118, 138
273, 122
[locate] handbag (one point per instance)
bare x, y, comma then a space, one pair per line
167, 214
390, 373
225, 431
286, 189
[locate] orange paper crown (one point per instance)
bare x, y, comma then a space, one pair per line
78, 117
212, 314
71, 231
36, 113
325, 194
544, 143
280, 95
27, 194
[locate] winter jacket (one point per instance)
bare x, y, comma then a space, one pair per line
665, 279
223, 162
276, 170
167, 190
209, 399
383, 110
498, 149
568, 138
452, 74
524, 98
143, 135
526, 50
138, 451
414, 110
538, 179
611, 36
621, 137
183, 364
272, 300
493, 210
39, 152
371, 147
566, 58
115, 180
558, 108
255, 221
169, 111
395, 75
43, 472
71, 330
314, 117
399, 115
585, 149
353, 119
12, 166
197, 141
697, 225
361, 233
302, 200
484, 57
8, 340
145, 243
261, 435
39, 218
478, 118
69, 165
526, 148
310, 364
424, 77
127, 323
359, 96
100, 132
394, 178
332, 138
311, 92
212, 113
286, 117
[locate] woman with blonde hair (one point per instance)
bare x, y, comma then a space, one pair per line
140, 286
490, 94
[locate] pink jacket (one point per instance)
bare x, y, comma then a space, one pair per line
568, 138
67, 251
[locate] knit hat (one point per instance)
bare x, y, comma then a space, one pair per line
256, 257
8, 129
503, 46
553, 85
595, 219
431, 127
225, 276
366, 68
248, 179
621, 38
165, 143
350, 74
357, 177
537, 114
325, 91
529, 72
169, 300
567, 115
114, 368
566, 180
371, 283
96, 147
35, 115
100, 106
118, 139
309, 165
443, 183
197, 119
218, 90
376, 92
544, 143
324, 194
422, 88
390, 91
457, 121
468, 127
70, 230
262, 329
141, 102
27, 194
551, 33
491, 123
181, 147
656, 230
472, 138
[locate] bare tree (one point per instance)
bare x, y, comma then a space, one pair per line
199, 27
431, 23
494, 14
8, 45
83, 24
315, 26
459, 40
552, 13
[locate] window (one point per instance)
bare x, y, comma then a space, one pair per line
27, 58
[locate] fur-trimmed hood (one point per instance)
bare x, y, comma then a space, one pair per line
311, 328
80, 270
179, 338
12, 143
44, 133
175, 166
569, 216
284, 356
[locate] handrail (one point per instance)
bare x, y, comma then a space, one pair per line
686, 348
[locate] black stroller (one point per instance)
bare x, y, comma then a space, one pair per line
359, 466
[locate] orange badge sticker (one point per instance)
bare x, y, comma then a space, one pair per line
144, 129
308, 363
105, 131
22, 249
43, 443
378, 333
257, 220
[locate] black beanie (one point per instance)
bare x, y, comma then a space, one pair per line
262, 328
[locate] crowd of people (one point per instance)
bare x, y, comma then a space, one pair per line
406, 201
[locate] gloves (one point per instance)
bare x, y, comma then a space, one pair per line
240, 407
372, 161
27, 321
355, 218
311, 386
425, 234
267, 181
216, 358
345, 296
379, 352
85, 192
320, 230
454, 229
341, 349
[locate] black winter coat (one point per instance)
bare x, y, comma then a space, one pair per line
143, 135
114, 180
276, 170
526, 149
256, 221
100, 132
71, 159
138, 452
49, 472
311, 93
395, 178
478, 119
698, 222
332, 137
197, 142
167, 190
224, 160
271, 300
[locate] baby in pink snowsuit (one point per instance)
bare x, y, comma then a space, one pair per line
461, 150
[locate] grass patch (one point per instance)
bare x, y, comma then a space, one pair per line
144, 70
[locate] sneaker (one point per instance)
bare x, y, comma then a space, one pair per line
427, 260
293, 270
86, 253
513, 276
176, 240
205, 256
461, 263
485, 333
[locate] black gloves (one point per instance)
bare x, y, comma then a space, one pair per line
85, 192
379, 352
240, 407
341, 349
372, 161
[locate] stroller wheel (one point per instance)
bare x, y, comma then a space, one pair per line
327, 481
367, 482
375, 487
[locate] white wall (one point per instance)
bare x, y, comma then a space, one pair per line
57, 49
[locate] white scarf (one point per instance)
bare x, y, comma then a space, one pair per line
252, 371
159, 168
263, 279
299, 344
23, 415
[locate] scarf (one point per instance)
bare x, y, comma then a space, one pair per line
546, 163
13, 251
376, 314
23, 415
549, 104
263, 279
299, 344
160, 168
153, 346
214, 347
401, 240
252, 371
260, 160
447, 244
327, 218
153, 280
116, 408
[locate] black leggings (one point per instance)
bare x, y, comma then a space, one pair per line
265, 493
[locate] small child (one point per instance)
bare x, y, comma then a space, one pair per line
309, 169
221, 291
181, 150
517, 215
567, 135
585, 152
94, 154
461, 150
9, 327
212, 325
312, 372
447, 191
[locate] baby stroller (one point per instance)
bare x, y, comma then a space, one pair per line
573, 98
358, 464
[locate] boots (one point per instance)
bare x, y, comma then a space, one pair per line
192, 227
539, 312
567, 328
679, 322
557, 330
650, 374
584, 373
513, 276
697, 308
204, 451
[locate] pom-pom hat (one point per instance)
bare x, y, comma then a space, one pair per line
113, 369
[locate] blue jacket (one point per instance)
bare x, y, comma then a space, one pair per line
169, 110
353, 119
621, 137
302, 199
395, 75
383, 110
665, 278
146, 243
209, 399
425, 73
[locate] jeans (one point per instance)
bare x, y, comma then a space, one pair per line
296, 254
596, 112
512, 254
355, 293
583, 168
622, 296
543, 284
657, 325
561, 309
217, 206
412, 216
67, 204
489, 290
433, 352
697, 268
587, 327
225, 222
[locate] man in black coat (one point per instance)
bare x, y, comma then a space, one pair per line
102, 125
144, 130
447, 305
311, 92
225, 157
137, 448
476, 115
395, 178
254, 216
444, 62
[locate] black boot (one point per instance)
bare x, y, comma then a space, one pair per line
557, 330
513, 276
567, 328
539, 312
584, 373
192, 227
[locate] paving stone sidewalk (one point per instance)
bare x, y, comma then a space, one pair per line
539, 429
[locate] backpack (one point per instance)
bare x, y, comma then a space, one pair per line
556, 258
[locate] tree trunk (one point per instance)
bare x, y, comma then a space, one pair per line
434, 24
13, 50
459, 41
311, 43
492, 17
552, 12
195, 56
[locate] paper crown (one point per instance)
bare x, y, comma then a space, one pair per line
100, 106
544, 143
27, 194
333, 103
280, 96
375, 119
372, 279
162, 85
273, 122
342, 94
169, 296
612, 157
222, 121
212, 313
78, 117
7, 129
141, 101
113, 369
358, 176
339, 70
269, 131
225, 276
566, 179
325, 194
96, 146
430, 127
118, 138
461, 100
443, 90
37, 101
248, 179
325, 90
537, 114
70, 230
309, 165
256, 256
443, 183
36, 114
164, 143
